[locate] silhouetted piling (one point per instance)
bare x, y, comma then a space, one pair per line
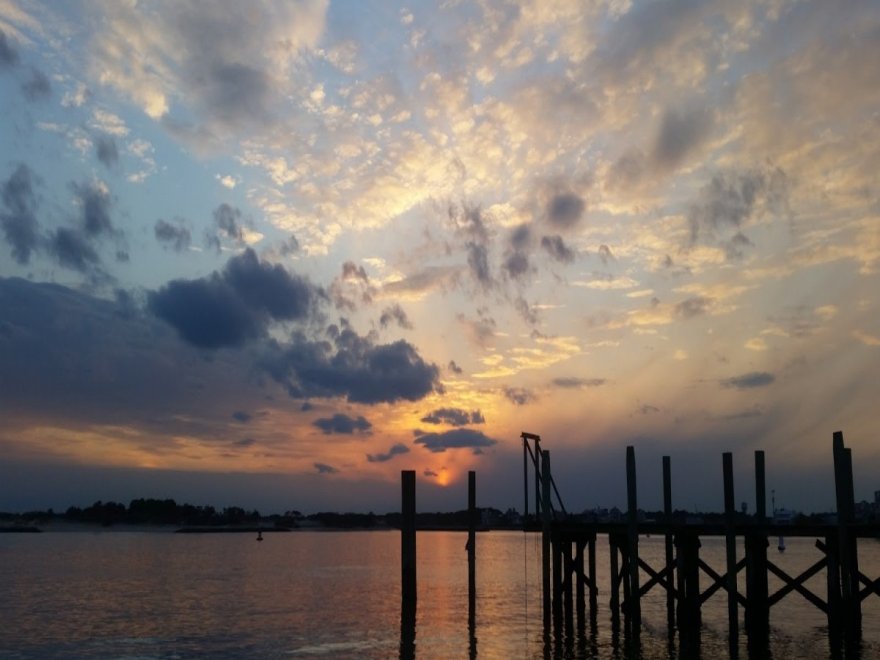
757, 605
408, 587
669, 556
634, 610
730, 543
472, 545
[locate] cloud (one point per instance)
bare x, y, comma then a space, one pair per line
350, 366
342, 424
577, 383
454, 439
454, 417
519, 396
95, 204
227, 221
351, 271
430, 473
106, 151
72, 250
557, 249
394, 450
323, 468
730, 201
37, 87
565, 210
692, 307
395, 313
177, 237
605, 254
228, 308
454, 368
8, 54
242, 416
681, 131
478, 264
19, 219
748, 381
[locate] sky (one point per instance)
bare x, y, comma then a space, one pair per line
271, 254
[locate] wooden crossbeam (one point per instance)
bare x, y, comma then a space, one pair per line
796, 584
661, 578
871, 586
719, 582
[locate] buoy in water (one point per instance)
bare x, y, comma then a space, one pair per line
781, 545
259, 535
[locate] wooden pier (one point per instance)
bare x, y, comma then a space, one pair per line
570, 591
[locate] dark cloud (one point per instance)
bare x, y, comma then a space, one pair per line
577, 383
235, 305
454, 368
521, 237
454, 439
468, 221
557, 249
454, 417
233, 92
342, 424
681, 131
627, 171
692, 307
177, 237
478, 263
95, 204
517, 265
351, 366
19, 220
37, 87
395, 314
290, 246
8, 54
605, 254
323, 468
244, 442
227, 219
730, 200
242, 416
565, 210
424, 280
106, 151
648, 409
72, 250
430, 473
519, 396
394, 450
351, 271
748, 381
528, 313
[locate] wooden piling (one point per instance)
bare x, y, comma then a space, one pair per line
594, 587
472, 546
615, 582
757, 588
408, 589
730, 542
689, 619
634, 612
669, 557
408, 537
545, 535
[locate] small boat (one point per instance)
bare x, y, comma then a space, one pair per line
781, 544
260, 535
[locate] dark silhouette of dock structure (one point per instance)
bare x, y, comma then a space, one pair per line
571, 595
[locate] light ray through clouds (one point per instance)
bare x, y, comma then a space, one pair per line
326, 241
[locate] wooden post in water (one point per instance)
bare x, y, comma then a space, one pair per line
847, 550
634, 612
667, 514
408, 563
615, 582
408, 537
687, 544
594, 587
545, 536
472, 547
757, 605
730, 538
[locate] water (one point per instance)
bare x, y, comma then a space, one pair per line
337, 594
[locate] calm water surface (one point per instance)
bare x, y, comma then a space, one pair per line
337, 594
